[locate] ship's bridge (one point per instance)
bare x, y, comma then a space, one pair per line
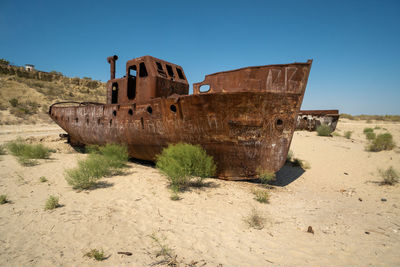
146, 78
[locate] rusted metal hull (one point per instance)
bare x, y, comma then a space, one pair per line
224, 124
245, 120
310, 119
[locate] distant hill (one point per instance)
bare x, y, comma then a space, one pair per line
25, 96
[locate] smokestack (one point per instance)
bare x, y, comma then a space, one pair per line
112, 60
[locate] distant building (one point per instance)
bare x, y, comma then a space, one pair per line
29, 67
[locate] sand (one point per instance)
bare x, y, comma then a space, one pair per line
339, 197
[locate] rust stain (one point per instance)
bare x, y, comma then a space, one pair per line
310, 119
245, 118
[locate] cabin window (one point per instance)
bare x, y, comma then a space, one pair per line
131, 88
204, 88
170, 71
160, 69
114, 93
142, 70
180, 73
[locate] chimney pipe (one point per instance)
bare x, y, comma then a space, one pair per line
112, 60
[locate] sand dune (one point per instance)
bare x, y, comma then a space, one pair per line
338, 196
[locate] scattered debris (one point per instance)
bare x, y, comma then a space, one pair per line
125, 253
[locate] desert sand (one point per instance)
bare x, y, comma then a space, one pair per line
339, 197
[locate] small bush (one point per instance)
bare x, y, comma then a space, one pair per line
175, 196
13, 102
101, 162
347, 134
368, 130
43, 179
324, 130
116, 155
95, 254
3, 150
289, 156
261, 196
3, 199
336, 134
301, 163
382, 142
389, 176
377, 127
370, 136
26, 153
51, 203
182, 163
266, 177
164, 250
255, 220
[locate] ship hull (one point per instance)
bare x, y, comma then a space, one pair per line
245, 132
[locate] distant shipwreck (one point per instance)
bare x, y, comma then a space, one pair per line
310, 119
244, 118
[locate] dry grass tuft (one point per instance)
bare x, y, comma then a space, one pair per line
3, 199
255, 220
389, 176
261, 196
95, 254
51, 203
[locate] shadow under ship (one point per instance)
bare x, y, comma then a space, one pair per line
244, 118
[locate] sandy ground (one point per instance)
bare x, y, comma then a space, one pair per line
338, 197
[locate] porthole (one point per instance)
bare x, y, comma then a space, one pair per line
115, 113
149, 110
76, 120
172, 108
130, 112
279, 122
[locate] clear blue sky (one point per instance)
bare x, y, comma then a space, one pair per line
355, 44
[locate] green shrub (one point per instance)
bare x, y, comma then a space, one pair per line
27, 153
3, 199
289, 156
368, 130
116, 155
98, 255
182, 163
13, 102
266, 177
389, 176
347, 134
4, 61
261, 196
3, 150
51, 203
101, 162
88, 172
43, 179
377, 127
382, 142
370, 136
324, 130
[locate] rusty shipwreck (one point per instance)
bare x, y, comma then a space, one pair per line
245, 118
310, 119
